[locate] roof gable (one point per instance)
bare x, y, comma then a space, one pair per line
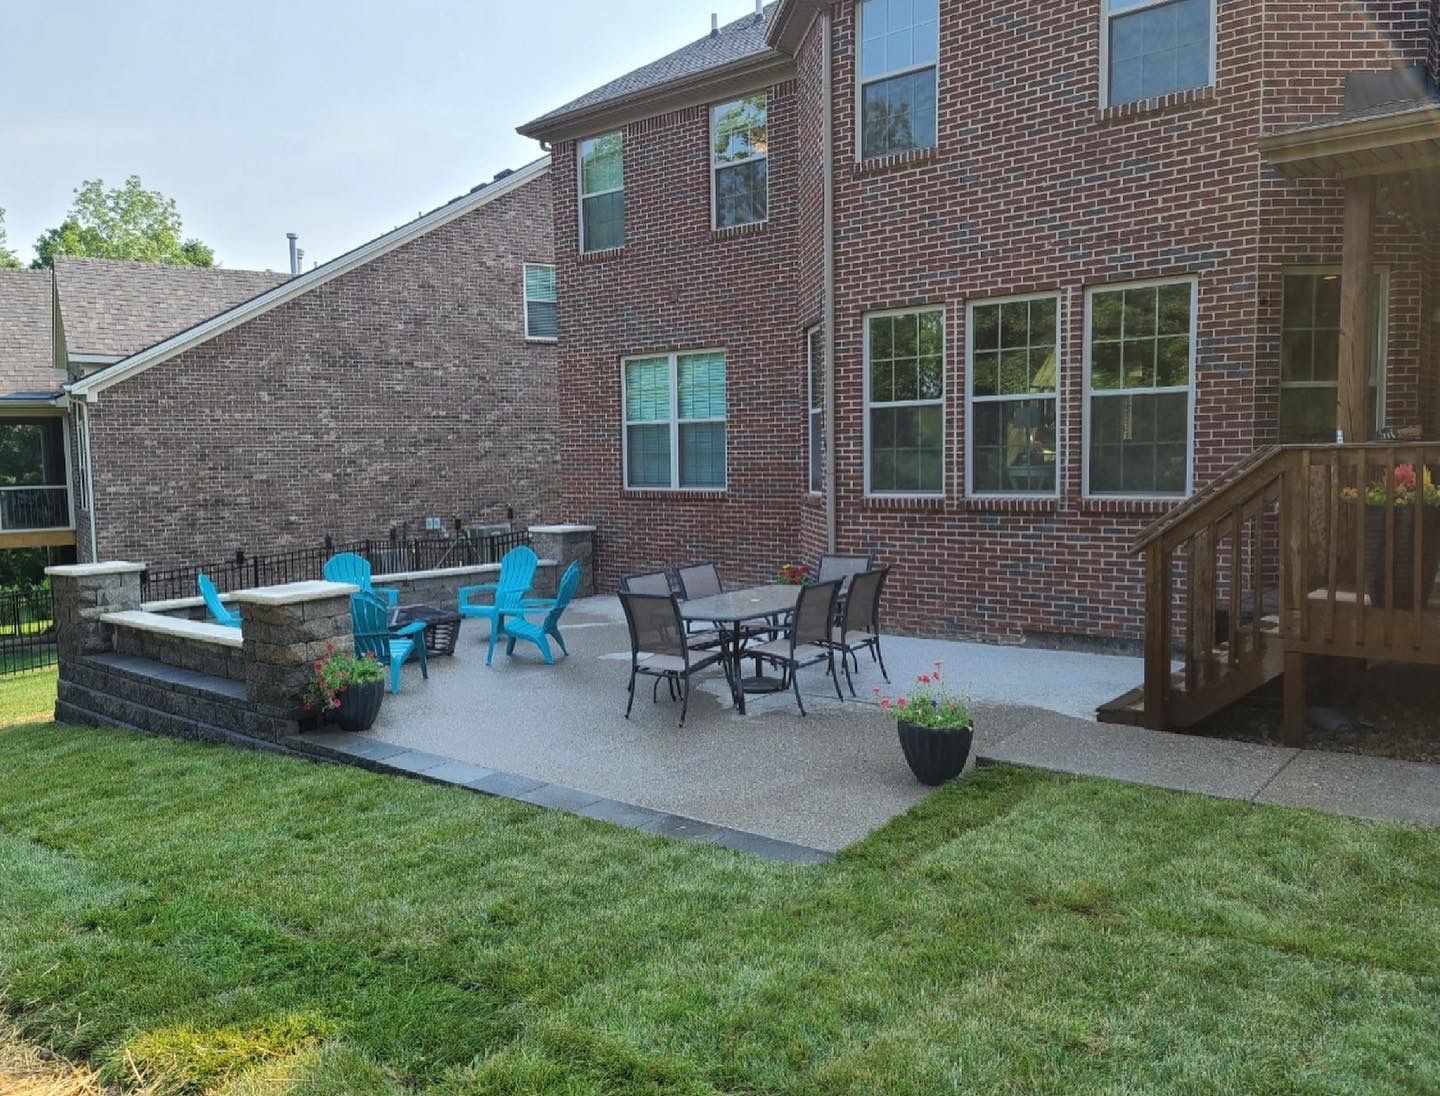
733, 44
113, 308
90, 387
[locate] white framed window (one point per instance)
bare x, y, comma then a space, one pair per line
1310, 353
601, 163
898, 75
674, 406
540, 325
1154, 47
1139, 388
739, 161
1012, 349
815, 374
905, 402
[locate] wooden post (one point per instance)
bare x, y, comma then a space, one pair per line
1158, 564
1352, 393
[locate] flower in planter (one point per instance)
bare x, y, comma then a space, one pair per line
335, 673
929, 704
1404, 481
793, 574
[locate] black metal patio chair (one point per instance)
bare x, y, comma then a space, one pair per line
843, 567
860, 623
809, 638
658, 647
647, 582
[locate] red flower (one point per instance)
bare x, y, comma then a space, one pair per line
1405, 475
900, 703
923, 679
885, 704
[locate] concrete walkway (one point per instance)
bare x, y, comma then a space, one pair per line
800, 789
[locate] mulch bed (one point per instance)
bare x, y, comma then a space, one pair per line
1395, 710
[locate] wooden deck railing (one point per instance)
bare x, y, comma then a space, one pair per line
1297, 550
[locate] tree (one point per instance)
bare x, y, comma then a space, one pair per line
8, 259
127, 222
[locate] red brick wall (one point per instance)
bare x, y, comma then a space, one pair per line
1033, 188
679, 285
400, 390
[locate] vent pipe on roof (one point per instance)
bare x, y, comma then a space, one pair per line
299, 259
714, 25
294, 255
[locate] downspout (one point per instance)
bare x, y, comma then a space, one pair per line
827, 169
84, 416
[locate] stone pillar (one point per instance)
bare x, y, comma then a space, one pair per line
286, 629
83, 593
565, 544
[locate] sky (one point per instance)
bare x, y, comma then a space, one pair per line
336, 119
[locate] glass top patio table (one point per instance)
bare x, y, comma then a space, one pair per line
735, 606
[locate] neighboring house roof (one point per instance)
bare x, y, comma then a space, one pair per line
27, 357
91, 386
113, 308
738, 46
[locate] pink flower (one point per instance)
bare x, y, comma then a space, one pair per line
885, 704
1405, 475
923, 679
900, 703
875, 692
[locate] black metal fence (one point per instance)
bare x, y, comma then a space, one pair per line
27, 629
386, 555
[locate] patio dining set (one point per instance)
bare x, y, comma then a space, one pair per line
674, 636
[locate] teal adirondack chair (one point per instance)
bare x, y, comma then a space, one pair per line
368, 616
519, 627
216, 607
517, 572
355, 570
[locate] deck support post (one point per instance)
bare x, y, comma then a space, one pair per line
1157, 637
1352, 414
1295, 719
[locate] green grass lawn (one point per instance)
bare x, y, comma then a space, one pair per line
28, 696
232, 922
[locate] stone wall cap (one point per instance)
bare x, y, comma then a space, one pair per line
443, 572
177, 627
175, 604
85, 570
562, 528
294, 593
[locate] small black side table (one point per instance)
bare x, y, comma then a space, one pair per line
442, 626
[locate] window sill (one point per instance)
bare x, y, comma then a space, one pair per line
602, 255
1159, 104
541, 342
1010, 504
755, 228
896, 161
932, 503
1122, 506
679, 494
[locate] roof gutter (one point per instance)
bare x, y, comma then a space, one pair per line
746, 73
88, 389
1294, 152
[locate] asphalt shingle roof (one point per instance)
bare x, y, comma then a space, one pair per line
113, 307
26, 351
742, 38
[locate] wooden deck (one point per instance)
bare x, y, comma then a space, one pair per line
1286, 539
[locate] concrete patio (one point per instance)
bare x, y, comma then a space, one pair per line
557, 736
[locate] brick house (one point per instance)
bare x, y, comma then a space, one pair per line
408, 378
80, 316
1071, 263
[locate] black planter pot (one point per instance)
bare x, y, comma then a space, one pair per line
935, 755
1402, 555
359, 705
